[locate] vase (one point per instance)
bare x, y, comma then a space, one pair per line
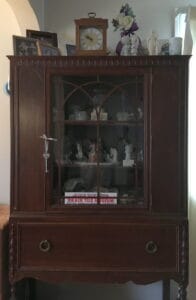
128, 45
153, 44
135, 43
175, 46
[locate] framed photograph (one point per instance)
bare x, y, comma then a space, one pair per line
48, 37
24, 46
45, 49
71, 49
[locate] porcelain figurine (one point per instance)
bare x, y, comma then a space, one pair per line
113, 155
92, 156
79, 154
128, 150
153, 44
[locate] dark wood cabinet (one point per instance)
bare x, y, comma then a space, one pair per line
99, 169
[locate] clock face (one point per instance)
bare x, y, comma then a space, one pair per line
91, 38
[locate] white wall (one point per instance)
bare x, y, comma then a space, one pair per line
24, 15
15, 17
150, 14
5, 33
38, 7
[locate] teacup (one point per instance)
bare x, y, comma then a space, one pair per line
81, 115
122, 116
103, 116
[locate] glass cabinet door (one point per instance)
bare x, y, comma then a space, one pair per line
98, 154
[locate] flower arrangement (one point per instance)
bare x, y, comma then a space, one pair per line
125, 21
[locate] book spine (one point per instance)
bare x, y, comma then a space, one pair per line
90, 194
80, 194
89, 200
76, 200
108, 200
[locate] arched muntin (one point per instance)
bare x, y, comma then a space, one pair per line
94, 88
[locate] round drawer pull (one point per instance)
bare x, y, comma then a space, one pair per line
151, 247
45, 246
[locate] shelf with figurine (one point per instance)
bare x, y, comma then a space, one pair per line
120, 165
103, 123
89, 153
102, 118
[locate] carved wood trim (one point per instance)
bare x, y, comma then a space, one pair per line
99, 61
12, 253
183, 247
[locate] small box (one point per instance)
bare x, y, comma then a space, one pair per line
128, 163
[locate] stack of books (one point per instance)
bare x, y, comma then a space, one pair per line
90, 198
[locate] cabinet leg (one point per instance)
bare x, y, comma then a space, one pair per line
12, 292
182, 292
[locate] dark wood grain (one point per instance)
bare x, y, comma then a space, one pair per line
100, 244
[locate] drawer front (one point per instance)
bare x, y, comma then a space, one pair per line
84, 247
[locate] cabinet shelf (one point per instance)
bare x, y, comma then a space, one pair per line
103, 123
95, 165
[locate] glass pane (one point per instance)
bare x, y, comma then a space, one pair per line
98, 122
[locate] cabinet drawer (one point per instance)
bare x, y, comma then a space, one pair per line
96, 246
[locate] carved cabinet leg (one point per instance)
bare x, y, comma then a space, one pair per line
182, 285
12, 292
182, 292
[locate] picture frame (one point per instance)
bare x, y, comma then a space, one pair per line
45, 36
71, 49
23, 46
46, 49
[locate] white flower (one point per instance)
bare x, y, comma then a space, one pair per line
125, 22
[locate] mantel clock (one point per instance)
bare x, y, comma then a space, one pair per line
91, 35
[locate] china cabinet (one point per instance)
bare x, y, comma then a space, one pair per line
99, 169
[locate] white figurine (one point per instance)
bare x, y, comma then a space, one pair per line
128, 150
79, 154
140, 113
128, 162
92, 156
153, 44
113, 155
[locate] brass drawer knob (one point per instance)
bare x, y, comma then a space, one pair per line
151, 247
45, 246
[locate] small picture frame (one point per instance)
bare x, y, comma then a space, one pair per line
24, 46
48, 37
45, 49
71, 49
